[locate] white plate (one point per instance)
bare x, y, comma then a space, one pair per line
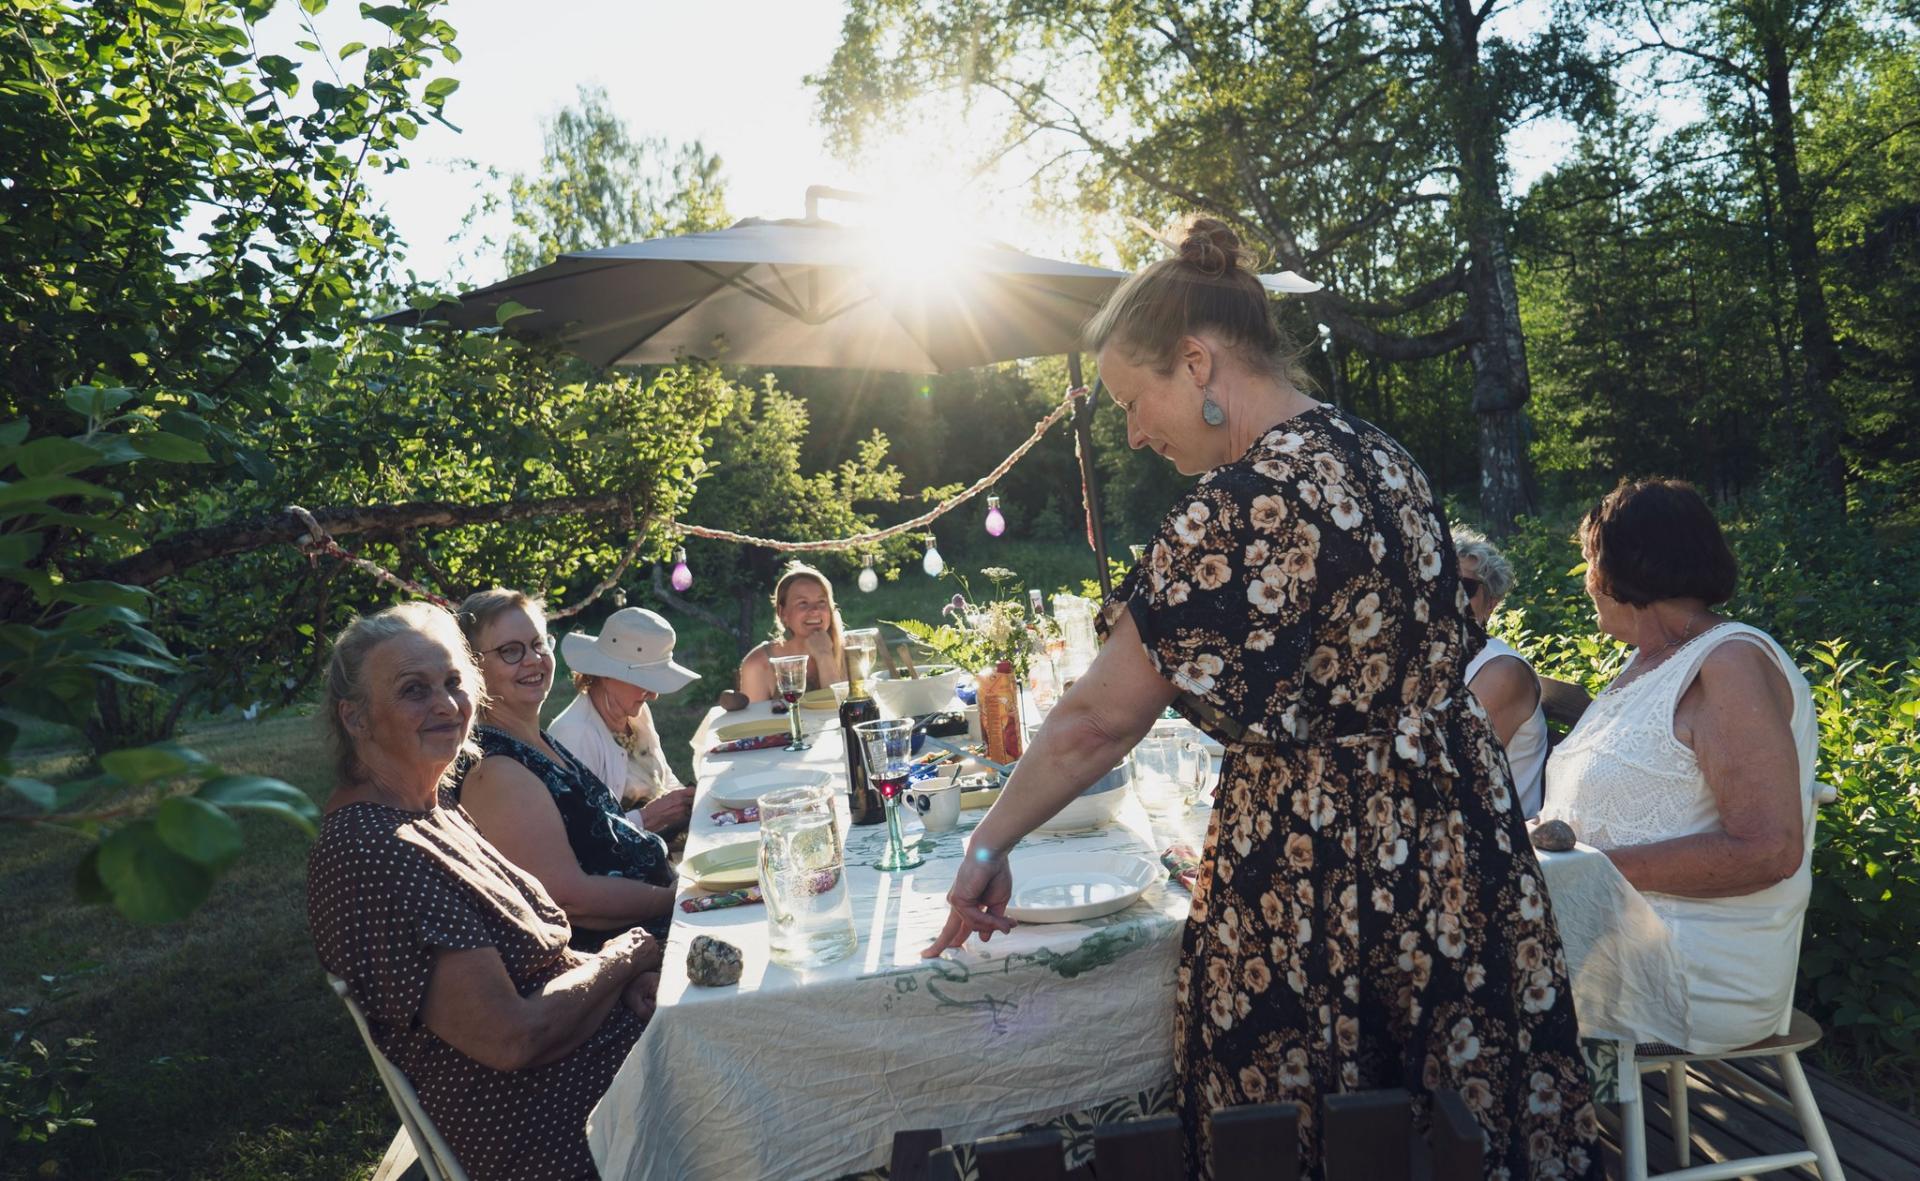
1055, 887
724, 867
740, 791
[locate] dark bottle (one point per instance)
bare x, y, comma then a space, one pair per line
863, 798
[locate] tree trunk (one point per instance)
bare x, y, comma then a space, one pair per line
1498, 351
1820, 354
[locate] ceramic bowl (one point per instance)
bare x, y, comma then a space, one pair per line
909, 697
1096, 806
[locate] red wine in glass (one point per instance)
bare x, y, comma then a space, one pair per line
891, 783
790, 696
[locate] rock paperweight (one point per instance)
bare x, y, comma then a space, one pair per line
1553, 836
713, 964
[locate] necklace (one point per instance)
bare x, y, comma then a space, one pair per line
1645, 662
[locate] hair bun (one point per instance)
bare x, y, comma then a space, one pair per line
1212, 248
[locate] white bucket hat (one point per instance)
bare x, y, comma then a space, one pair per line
635, 645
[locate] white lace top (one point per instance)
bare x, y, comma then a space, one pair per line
1527, 749
1622, 778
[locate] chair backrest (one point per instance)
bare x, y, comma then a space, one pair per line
1563, 701
1257, 1142
1139, 1150
436, 1158
1036, 1156
1363, 1134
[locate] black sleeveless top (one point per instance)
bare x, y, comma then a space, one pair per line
604, 841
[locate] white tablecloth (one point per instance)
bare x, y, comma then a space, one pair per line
1627, 980
798, 1076
794, 1075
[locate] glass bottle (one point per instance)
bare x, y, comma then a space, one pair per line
864, 804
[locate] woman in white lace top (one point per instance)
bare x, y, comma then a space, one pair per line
1693, 770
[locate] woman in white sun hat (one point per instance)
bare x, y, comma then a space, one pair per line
609, 726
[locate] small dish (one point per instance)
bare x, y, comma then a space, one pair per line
819, 699
726, 867
751, 728
1055, 887
741, 791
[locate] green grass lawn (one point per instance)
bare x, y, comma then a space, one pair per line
222, 1053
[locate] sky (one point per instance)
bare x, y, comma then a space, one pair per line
729, 73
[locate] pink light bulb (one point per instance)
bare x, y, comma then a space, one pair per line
996, 520
681, 578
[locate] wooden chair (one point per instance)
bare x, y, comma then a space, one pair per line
436, 1158
1563, 702
1800, 1033
1258, 1142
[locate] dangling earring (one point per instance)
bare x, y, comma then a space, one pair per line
1210, 409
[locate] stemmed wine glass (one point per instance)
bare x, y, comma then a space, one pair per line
790, 680
888, 746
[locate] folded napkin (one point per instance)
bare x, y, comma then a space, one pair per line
744, 896
740, 744
1183, 864
746, 815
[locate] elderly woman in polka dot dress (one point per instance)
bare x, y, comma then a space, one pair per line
458, 957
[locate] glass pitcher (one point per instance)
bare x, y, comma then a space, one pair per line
804, 879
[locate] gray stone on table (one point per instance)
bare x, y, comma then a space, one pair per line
712, 963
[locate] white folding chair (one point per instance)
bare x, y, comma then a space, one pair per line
1798, 1032
436, 1158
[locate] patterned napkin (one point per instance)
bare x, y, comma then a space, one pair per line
746, 815
740, 744
1183, 864
744, 896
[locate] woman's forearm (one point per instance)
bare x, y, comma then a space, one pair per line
580, 999
1705, 865
611, 904
1068, 753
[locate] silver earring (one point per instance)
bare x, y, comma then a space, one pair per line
1210, 409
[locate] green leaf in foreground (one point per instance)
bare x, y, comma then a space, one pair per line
198, 831
261, 794
150, 882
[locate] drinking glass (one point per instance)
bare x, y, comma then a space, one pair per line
1161, 773
790, 681
888, 745
1199, 778
803, 878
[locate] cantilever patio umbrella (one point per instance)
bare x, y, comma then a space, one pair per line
805, 292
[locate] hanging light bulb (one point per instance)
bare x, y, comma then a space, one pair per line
682, 577
933, 563
868, 579
996, 520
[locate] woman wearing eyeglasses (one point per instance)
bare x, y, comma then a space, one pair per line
539, 804
1499, 677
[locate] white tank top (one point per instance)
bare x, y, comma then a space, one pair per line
1622, 778
1527, 750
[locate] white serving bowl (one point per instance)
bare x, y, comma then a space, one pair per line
1096, 806
910, 697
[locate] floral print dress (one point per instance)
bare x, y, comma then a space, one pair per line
1370, 913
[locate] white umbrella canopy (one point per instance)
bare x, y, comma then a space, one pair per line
802, 292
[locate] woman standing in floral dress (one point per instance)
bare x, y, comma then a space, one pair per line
1370, 913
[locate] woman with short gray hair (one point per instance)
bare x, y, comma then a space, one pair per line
1500, 678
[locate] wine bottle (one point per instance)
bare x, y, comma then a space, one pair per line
863, 798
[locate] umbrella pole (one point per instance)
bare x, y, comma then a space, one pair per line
1089, 483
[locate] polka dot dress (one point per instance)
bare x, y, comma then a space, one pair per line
387, 889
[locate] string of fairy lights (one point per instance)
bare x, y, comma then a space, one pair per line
317, 543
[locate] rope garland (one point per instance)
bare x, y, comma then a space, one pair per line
318, 543
920, 522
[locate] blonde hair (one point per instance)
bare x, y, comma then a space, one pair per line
480, 608
1209, 285
794, 572
347, 665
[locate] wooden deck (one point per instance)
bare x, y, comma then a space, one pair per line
1732, 1118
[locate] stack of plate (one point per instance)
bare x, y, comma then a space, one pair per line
1050, 886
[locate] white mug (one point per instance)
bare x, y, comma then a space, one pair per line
937, 801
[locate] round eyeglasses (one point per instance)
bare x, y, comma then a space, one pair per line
515, 651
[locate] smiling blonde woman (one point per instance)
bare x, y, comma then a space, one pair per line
805, 623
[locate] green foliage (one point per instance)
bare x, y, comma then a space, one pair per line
758, 487
598, 185
42, 1078
1860, 963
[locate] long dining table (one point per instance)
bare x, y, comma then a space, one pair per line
807, 1074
